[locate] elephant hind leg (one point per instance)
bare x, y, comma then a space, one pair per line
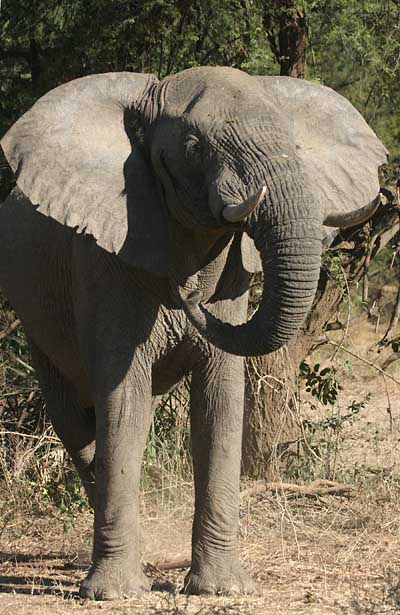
74, 425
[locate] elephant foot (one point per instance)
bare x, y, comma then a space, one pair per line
227, 580
111, 581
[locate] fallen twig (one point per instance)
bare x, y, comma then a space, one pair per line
170, 563
10, 329
316, 489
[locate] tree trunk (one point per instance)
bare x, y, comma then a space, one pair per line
272, 425
286, 29
271, 421
292, 42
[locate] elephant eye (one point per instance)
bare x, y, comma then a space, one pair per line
193, 148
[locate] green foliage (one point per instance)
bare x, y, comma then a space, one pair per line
66, 492
352, 46
332, 263
319, 450
323, 432
45, 42
335, 422
321, 384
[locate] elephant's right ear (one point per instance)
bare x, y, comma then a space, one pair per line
72, 156
339, 152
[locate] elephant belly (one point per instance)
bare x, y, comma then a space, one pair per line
59, 283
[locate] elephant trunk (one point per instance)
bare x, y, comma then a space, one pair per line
291, 258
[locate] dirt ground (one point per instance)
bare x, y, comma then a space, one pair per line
322, 556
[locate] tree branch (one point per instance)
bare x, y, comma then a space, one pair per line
315, 489
363, 360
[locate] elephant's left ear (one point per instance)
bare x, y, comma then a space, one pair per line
340, 153
76, 155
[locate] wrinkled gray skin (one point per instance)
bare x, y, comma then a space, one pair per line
113, 321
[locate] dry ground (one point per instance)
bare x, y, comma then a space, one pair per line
329, 555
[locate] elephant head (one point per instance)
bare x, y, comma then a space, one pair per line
210, 152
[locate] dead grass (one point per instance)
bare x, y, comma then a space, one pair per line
307, 556
329, 555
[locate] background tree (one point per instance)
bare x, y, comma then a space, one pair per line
355, 48
286, 29
351, 46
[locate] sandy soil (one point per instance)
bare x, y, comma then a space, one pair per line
322, 556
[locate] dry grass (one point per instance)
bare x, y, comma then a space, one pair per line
329, 555
308, 557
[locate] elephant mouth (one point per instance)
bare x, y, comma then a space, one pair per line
191, 213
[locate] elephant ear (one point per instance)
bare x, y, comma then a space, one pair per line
339, 151
73, 158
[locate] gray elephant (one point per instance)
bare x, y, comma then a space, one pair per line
139, 209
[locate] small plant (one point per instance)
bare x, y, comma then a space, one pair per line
66, 492
319, 449
321, 384
332, 264
337, 422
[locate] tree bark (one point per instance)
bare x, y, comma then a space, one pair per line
272, 425
292, 42
286, 29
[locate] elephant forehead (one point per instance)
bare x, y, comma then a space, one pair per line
251, 142
215, 91
260, 129
209, 76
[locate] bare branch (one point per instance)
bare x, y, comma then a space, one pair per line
360, 358
10, 329
315, 489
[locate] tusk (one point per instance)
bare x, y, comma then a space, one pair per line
355, 217
236, 213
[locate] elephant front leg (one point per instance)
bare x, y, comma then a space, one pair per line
217, 395
122, 422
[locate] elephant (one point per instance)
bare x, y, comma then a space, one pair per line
140, 209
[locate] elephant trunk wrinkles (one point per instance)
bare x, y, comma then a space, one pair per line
291, 257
